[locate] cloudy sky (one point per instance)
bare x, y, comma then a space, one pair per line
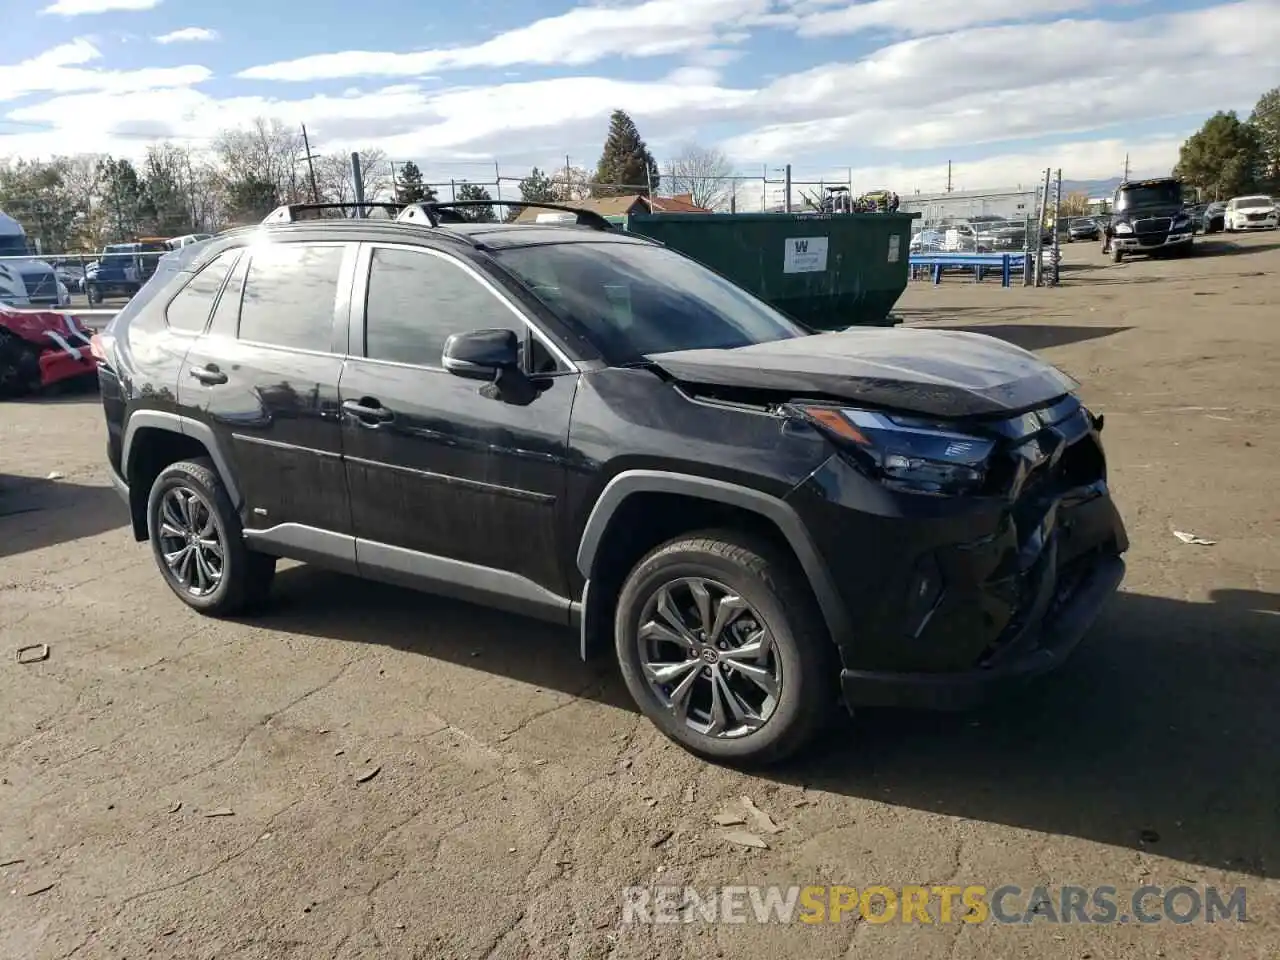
888, 89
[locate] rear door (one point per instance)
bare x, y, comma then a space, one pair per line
266, 376
449, 482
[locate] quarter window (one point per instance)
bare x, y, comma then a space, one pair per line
289, 295
189, 310
417, 300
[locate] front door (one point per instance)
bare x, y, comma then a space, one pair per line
266, 377
450, 483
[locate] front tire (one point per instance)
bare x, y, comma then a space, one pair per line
723, 648
1116, 254
198, 542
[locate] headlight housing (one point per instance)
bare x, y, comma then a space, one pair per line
906, 453
1124, 228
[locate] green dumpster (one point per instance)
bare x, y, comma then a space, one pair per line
827, 271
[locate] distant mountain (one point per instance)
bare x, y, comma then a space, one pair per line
1094, 188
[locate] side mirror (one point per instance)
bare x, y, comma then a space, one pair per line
482, 354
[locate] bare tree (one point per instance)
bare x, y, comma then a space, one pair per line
703, 172
569, 183
336, 180
266, 152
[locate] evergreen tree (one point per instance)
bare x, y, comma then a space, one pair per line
251, 199
537, 186
410, 188
1223, 159
626, 165
471, 191
122, 190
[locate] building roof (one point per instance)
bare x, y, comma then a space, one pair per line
622, 205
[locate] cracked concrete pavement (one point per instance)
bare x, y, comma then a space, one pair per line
518, 791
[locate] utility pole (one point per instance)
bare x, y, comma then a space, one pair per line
311, 167
567, 181
786, 187
1126, 167
948, 176
1042, 209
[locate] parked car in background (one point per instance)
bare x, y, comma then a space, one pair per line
1256, 212
123, 268
177, 243
1082, 228
580, 424
1214, 219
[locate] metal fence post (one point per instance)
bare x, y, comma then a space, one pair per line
1057, 214
358, 180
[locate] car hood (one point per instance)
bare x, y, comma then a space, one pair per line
938, 373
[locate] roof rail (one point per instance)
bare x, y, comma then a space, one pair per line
586, 218
293, 212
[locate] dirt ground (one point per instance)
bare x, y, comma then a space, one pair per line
181, 787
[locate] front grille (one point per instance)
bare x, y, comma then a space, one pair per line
1152, 225
41, 287
1257, 216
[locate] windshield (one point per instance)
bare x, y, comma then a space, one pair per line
118, 248
1149, 195
1253, 202
634, 299
13, 246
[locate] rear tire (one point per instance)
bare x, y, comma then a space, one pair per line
198, 542
754, 677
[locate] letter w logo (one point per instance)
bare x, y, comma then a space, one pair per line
802, 246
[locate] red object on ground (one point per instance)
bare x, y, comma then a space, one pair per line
57, 343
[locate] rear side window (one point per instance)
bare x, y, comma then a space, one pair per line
417, 300
289, 295
190, 308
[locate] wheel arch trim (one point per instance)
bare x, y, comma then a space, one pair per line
186, 426
781, 514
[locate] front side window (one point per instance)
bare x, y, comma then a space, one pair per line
634, 299
289, 295
189, 310
417, 300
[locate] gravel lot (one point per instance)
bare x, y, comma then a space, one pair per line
517, 792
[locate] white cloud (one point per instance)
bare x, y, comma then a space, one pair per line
920, 17
984, 85
583, 35
75, 8
61, 70
188, 35
1023, 81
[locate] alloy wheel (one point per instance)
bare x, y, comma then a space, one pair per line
709, 657
191, 542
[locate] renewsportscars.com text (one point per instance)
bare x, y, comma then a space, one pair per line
1007, 904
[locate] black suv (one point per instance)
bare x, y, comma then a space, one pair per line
576, 423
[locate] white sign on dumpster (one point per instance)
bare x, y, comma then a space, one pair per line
805, 255
895, 247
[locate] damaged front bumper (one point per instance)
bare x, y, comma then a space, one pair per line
952, 600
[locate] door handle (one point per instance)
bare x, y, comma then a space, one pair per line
368, 409
210, 374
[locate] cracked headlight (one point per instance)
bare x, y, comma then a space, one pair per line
906, 453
